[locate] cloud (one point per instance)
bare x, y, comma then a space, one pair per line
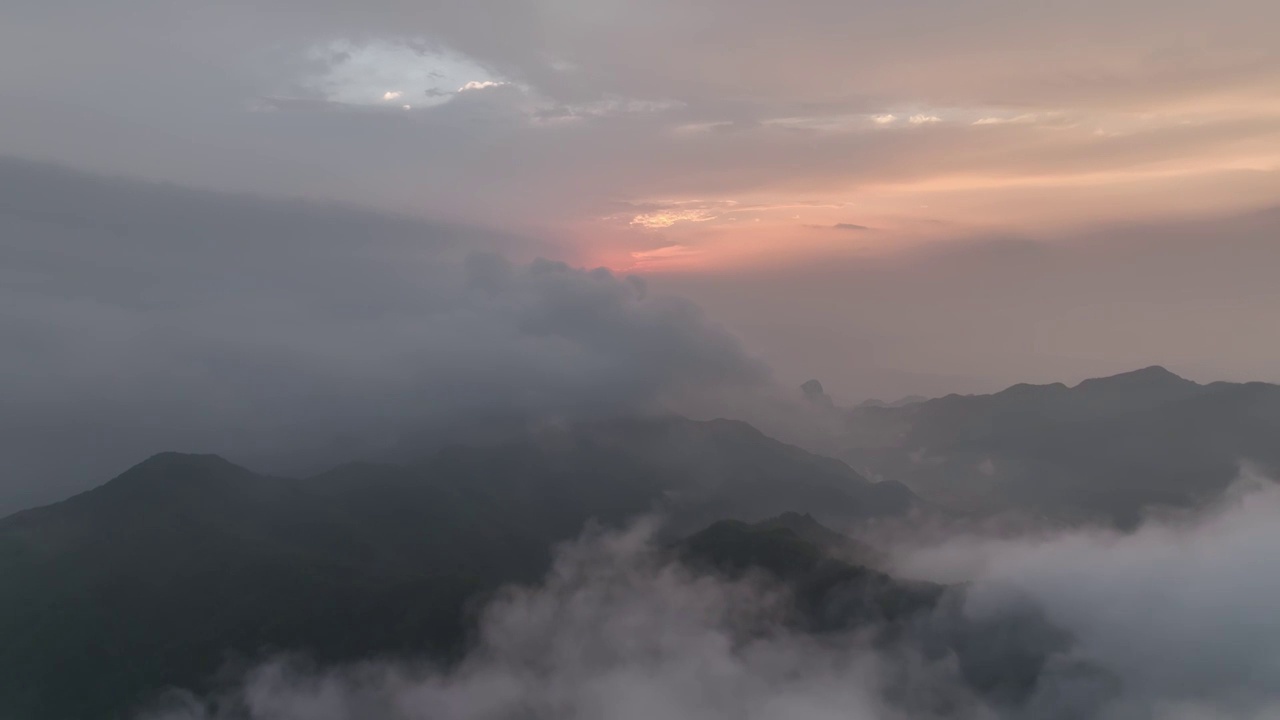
1172, 621
591, 85
480, 85
658, 215
666, 256
1180, 610
287, 334
614, 632
355, 73
842, 226
667, 218
1028, 117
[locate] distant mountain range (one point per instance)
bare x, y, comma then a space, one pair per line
162, 575
908, 400
1104, 449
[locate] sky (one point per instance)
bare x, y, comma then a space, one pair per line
244, 201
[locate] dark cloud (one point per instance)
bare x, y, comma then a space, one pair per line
142, 318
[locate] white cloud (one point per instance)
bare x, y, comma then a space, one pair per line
922, 119
700, 127
360, 73
1181, 610
480, 85
667, 218
612, 633
996, 120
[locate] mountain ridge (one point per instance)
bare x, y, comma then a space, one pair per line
1106, 449
365, 559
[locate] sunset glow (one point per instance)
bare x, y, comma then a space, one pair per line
807, 152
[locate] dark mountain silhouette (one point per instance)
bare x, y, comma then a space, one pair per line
900, 402
814, 393
830, 593
185, 562
1105, 449
830, 542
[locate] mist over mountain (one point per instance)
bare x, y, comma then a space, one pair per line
1106, 449
187, 560
190, 587
189, 567
754, 620
295, 335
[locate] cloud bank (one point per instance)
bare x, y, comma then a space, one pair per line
142, 318
1180, 610
615, 632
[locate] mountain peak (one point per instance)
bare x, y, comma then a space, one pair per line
800, 523
186, 462
1029, 390
1152, 376
167, 469
814, 393
173, 456
900, 402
